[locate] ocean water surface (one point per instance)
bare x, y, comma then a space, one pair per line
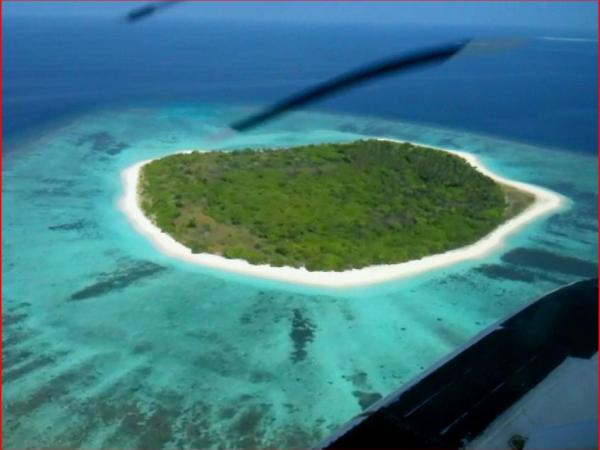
107, 343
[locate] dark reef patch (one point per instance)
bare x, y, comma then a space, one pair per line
457, 278
12, 357
195, 428
358, 379
53, 187
592, 227
510, 272
548, 261
559, 233
366, 399
102, 142
247, 426
302, 333
296, 437
70, 226
155, 429
15, 337
142, 347
582, 217
265, 308
14, 334
505, 271
260, 376
119, 279
24, 369
571, 191
548, 243
62, 182
12, 319
51, 391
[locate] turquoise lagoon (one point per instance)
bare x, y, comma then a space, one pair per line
110, 344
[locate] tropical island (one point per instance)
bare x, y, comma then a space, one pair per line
368, 206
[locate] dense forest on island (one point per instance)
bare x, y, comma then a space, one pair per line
331, 206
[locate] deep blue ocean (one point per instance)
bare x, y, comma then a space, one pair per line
544, 91
108, 343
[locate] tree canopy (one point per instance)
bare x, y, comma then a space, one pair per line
331, 206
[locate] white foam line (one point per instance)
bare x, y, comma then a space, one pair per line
567, 39
545, 202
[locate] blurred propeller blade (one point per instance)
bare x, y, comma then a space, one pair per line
361, 75
148, 9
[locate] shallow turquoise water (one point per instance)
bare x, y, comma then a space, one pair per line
108, 343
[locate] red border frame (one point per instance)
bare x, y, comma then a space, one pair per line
299, 1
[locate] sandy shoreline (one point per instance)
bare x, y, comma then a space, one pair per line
546, 201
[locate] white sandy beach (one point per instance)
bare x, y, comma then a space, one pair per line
545, 202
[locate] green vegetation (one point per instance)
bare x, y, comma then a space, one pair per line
327, 206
